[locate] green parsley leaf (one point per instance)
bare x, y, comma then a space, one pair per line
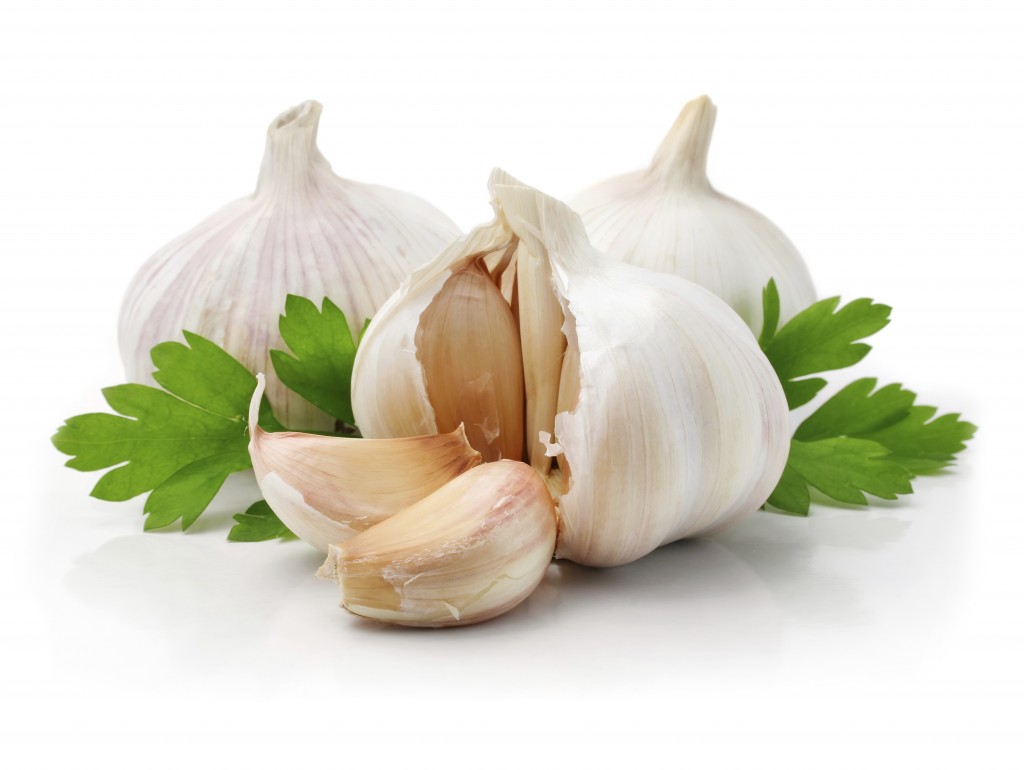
189, 490
843, 468
324, 351
856, 411
862, 439
819, 339
889, 417
772, 308
791, 494
921, 446
202, 373
180, 444
257, 524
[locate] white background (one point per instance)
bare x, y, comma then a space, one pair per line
884, 137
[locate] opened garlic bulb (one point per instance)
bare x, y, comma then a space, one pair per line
304, 231
650, 412
615, 409
669, 218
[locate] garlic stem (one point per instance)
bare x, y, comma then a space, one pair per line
291, 150
682, 156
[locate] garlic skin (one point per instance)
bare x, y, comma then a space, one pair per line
670, 219
472, 550
304, 231
326, 488
663, 417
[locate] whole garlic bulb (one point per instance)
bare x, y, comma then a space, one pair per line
650, 411
303, 231
669, 218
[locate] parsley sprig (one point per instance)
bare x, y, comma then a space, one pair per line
181, 443
862, 439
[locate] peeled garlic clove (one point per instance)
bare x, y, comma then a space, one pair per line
470, 551
326, 489
304, 231
670, 219
667, 420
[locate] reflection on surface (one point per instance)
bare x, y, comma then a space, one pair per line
773, 593
786, 553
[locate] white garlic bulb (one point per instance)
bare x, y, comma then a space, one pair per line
669, 218
650, 412
304, 231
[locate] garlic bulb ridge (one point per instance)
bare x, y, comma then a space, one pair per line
670, 219
304, 231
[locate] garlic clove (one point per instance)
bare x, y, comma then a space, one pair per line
304, 231
326, 489
543, 347
470, 551
468, 345
398, 403
669, 218
680, 426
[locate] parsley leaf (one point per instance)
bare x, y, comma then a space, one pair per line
180, 444
843, 468
861, 440
855, 411
889, 417
921, 446
791, 494
818, 339
324, 351
770, 303
258, 523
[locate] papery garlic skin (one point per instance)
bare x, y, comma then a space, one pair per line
472, 550
668, 422
327, 489
670, 219
304, 231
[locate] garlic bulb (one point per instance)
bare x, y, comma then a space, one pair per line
650, 412
304, 231
669, 218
